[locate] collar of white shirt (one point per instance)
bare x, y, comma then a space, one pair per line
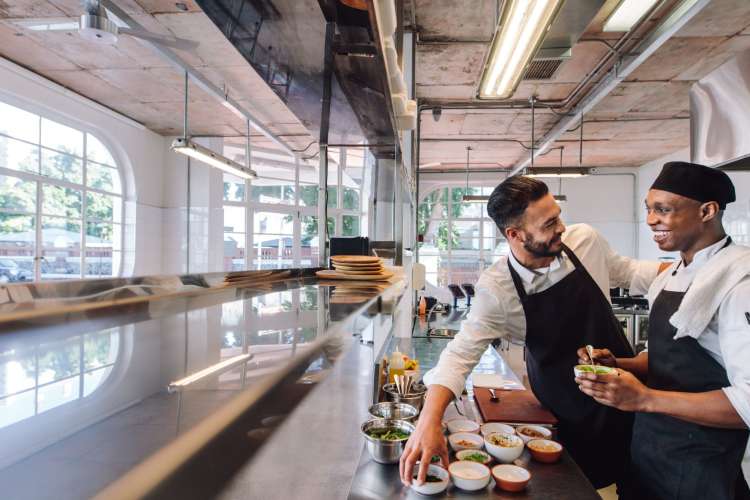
528, 275
702, 256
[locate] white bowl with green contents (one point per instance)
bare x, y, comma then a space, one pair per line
580, 370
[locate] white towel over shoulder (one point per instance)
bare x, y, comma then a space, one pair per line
712, 283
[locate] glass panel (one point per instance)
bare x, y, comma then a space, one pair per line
17, 373
273, 223
17, 244
308, 195
103, 206
62, 166
466, 229
490, 230
61, 248
100, 349
92, 380
17, 194
62, 138
61, 201
332, 197
17, 155
59, 360
102, 239
434, 206
309, 247
103, 178
18, 123
98, 152
16, 408
351, 199
234, 252
467, 244
272, 191
465, 267
234, 219
59, 393
350, 225
272, 251
234, 188
461, 209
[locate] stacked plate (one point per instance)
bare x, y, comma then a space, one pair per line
356, 267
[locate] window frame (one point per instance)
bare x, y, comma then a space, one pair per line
41, 180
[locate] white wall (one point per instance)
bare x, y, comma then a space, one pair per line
139, 152
736, 217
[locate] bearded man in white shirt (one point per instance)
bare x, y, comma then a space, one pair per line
552, 294
691, 389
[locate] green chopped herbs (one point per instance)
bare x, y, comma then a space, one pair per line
430, 478
385, 434
475, 457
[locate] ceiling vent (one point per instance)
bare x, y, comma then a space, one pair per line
542, 69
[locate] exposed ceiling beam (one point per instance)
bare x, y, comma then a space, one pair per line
197, 77
682, 13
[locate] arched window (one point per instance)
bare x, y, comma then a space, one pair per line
460, 239
61, 201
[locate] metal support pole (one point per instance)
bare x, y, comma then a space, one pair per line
325, 116
185, 116
532, 100
580, 145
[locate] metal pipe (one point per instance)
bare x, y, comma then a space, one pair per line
325, 116
684, 12
185, 116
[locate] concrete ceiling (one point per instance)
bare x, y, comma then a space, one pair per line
644, 118
131, 78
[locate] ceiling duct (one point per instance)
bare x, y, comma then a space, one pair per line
564, 32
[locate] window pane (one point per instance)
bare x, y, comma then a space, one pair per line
98, 152
92, 380
59, 360
234, 188
17, 155
273, 223
59, 393
101, 240
351, 199
16, 408
61, 248
17, 237
272, 251
17, 372
18, 123
350, 225
462, 209
466, 244
62, 138
308, 195
61, 201
234, 252
17, 194
102, 206
62, 166
103, 177
272, 191
466, 229
100, 349
332, 197
234, 219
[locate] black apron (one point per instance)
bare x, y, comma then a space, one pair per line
673, 458
572, 313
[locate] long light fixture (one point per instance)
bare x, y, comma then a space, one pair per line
519, 33
189, 148
627, 14
561, 172
216, 369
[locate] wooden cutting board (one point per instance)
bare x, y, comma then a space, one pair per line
515, 407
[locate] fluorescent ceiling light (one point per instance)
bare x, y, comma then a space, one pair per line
520, 32
189, 148
216, 369
627, 14
559, 172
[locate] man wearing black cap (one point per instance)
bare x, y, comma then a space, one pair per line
691, 426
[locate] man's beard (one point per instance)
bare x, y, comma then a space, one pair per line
542, 248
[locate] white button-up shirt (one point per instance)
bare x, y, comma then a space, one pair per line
727, 337
497, 312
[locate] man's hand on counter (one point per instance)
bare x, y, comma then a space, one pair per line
427, 439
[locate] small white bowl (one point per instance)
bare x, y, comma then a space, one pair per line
537, 429
427, 488
486, 457
579, 370
506, 453
469, 476
491, 427
462, 425
465, 441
